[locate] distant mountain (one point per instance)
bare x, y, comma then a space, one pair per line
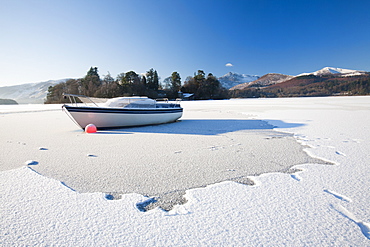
264, 81
29, 93
324, 82
232, 79
335, 71
328, 83
274, 78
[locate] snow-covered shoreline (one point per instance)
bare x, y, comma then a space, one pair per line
319, 205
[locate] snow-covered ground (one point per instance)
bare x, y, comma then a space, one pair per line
320, 205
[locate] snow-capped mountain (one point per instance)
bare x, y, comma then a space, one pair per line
274, 78
333, 71
232, 79
264, 81
29, 93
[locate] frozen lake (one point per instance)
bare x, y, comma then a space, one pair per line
206, 169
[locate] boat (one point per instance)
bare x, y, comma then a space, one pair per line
121, 111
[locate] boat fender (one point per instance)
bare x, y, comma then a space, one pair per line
90, 128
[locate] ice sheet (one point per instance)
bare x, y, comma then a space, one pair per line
319, 205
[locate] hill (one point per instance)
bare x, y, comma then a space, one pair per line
311, 85
264, 81
335, 71
232, 79
29, 93
322, 85
325, 82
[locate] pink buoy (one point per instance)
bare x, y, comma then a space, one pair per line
90, 128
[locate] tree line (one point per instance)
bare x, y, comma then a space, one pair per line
201, 86
131, 83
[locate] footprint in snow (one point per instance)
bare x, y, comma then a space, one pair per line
340, 153
295, 177
31, 163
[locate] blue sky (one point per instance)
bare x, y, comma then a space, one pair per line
44, 40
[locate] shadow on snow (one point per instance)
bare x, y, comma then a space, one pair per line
205, 127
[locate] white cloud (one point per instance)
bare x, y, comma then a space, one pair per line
229, 65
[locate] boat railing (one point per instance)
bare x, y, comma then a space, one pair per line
174, 103
84, 99
166, 100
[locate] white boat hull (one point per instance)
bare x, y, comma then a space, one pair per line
104, 118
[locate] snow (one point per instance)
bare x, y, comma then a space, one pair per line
331, 70
318, 205
232, 79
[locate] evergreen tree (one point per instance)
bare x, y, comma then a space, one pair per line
131, 77
143, 80
133, 84
91, 82
152, 79
93, 72
156, 80
173, 85
200, 76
